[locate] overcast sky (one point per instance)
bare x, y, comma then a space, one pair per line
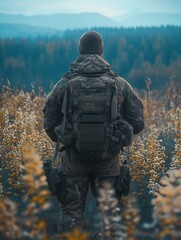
106, 7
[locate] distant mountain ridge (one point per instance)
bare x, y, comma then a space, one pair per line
60, 21
148, 19
50, 25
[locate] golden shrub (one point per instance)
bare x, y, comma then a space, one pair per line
21, 122
28, 223
167, 205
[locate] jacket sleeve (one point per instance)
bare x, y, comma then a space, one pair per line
133, 109
52, 110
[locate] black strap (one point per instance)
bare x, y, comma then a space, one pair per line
62, 149
56, 151
92, 75
114, 104
64, 111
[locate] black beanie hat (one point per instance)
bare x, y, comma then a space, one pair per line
91, 42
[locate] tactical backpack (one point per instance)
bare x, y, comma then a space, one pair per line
90, 121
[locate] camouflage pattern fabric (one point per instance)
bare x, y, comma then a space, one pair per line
129, 106
73, 199
130, 109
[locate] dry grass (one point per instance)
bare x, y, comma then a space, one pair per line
154, 157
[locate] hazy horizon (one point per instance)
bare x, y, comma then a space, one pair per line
105, 7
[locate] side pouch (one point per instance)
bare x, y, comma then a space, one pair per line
122, 134
123, 181
127, 133
67, 138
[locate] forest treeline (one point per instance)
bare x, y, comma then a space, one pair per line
134, 53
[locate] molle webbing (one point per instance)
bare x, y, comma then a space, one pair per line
92, 107
90, 94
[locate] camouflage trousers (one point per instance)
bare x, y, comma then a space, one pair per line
78, 175
73, 198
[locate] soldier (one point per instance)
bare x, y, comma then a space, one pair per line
93, 112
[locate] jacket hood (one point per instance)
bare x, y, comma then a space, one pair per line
90, 64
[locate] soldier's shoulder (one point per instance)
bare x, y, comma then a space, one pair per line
121, 83
59, 87
63, 82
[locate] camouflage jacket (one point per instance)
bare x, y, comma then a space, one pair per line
129, 105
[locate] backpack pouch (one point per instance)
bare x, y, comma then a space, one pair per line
90, 137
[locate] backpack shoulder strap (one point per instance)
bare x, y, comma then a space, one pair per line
73, 91
111, 88
114, 103
64, 111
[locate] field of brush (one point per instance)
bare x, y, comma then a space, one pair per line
151, 211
